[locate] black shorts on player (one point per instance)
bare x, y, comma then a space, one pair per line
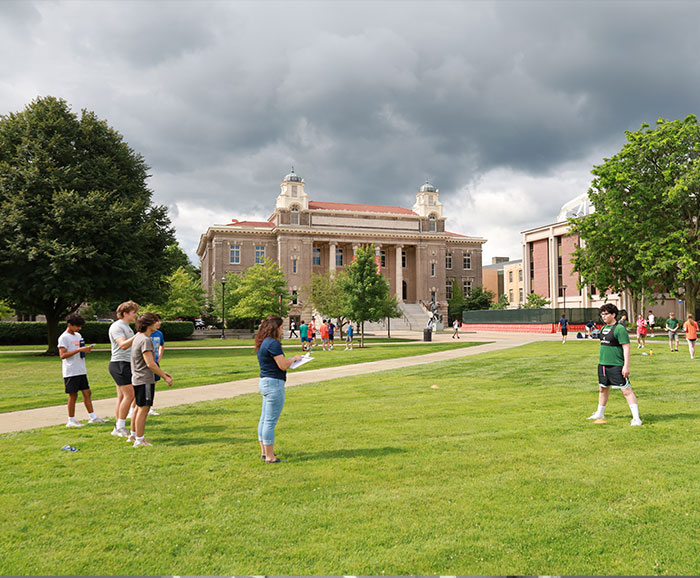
611, 375
76, 383
144, 394
120, 372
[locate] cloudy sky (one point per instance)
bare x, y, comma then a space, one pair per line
504, 106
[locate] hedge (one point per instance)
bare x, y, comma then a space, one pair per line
35, 333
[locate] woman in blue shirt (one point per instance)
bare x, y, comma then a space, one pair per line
273, 374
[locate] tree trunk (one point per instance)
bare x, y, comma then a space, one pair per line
388, 327
362, 335
691, 297
52, 332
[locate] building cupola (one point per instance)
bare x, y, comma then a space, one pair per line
292, 193
427, 201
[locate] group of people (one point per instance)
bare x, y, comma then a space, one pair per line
326, 332
134, 365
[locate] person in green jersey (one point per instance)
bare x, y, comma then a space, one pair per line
614, 364
672, 327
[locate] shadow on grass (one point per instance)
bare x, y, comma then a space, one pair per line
348, 454
195, 441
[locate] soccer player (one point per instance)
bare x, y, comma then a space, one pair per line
614, 364
72, 350
672, 327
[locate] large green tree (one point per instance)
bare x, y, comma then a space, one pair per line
184, 297
76, 218
367, 291
326, 294
261, 291
643, 236
478, 299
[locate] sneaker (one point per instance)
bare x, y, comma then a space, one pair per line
596, 415
72, 423
130, 414
143, 442
120, 432
636, 422
153, 412
131, 439
97, 419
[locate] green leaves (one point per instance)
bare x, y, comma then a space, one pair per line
261, 291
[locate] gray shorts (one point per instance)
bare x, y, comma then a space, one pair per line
673, 335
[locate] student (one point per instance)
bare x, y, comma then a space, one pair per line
563, 327
651, 319
641, 332
304, 334
614, 364
292, 329
455, 328
589, 329
324, 335
348, 338
72, 350
121, 337
159, 347
672, 327
273, 374
312, 334
144, 370
691, 334
331, 332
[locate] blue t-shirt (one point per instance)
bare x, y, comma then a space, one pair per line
350, 331
563, 322
270, 348
158, 340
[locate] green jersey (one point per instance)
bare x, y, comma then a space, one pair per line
672, 324
612, 338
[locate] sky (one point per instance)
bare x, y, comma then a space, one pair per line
504, 106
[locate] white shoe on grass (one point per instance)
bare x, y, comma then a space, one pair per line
97, 419
636, 422
143, 442
120, 432
153, 412
596, 415
72, 423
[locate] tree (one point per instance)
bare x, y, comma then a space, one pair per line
76, 219
366, 290
6, 310
184, 297
478, 299
214, 300
261, 291
535, 301
456, 305
502, 303
326, 294
643, 236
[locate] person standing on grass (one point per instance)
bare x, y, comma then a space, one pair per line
455, 328
672, 327
312, 334
323, 330
348, 337
121, 337
691, 334
614, 364
641, 332
144, 370
651, 319
563, 327
72, 350
331, 332
292, 329
304, 334
158, 348
273, 374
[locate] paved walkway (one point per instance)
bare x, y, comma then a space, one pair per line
56, 415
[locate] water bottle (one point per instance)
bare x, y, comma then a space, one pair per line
82, 344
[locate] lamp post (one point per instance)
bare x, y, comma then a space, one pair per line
563, 292
223, 307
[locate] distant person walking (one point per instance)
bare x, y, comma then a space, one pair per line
304, 333
641, 332
331, 333
292, 329
651, 319
273, 374
672, 325
691, 334
455, 328
563, 327
348, 337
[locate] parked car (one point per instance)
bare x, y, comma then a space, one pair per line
199, 324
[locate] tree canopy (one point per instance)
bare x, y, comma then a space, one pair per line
478, 299
76, 218
261, 291
643, 236
326, 294
183, 298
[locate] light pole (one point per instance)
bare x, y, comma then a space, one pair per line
563, 292
223, 307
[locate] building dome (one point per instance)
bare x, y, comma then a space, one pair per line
292, 177
427, 188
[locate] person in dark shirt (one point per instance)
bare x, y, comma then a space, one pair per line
564, 327
273, 374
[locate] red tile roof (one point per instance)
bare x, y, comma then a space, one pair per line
360, 208
454, 234
237, 223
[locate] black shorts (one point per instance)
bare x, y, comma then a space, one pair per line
611, 375
144, 394
564, 331
76, 383
120, 372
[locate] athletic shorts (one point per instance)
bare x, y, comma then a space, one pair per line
324, 340
672, 335
691, 340
144, 394
120, 372
611, 375
642, 333
76, 383
564, 331
348, 338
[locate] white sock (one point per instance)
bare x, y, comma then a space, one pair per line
73, 419
601, 411
92, 415
635, 410
140, 439
121, 424
133, 433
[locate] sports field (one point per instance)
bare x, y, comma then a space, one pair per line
496, 471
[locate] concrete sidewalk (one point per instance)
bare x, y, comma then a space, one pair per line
56, 415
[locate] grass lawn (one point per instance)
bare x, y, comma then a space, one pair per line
30, 380
496, 472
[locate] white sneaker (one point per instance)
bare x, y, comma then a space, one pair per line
636, 422
72, 423
130, 414
120, 432
346, 349
596, 415
143, 442
153, 412
131, 439
97, 419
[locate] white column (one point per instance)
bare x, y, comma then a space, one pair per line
331, 258
399, 273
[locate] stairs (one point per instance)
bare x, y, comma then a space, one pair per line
414, 319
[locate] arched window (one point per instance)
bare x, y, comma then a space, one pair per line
294, 216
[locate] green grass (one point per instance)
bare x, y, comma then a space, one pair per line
496, 472
30, 380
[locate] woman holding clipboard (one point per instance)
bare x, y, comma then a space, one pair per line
273, 375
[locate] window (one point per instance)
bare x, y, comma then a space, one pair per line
382, 259
259, 254
432, 269
295, 297
560, 268
467, 261
338, 257
294, 216
467, 287
448, 260
235, 258
403, 259
294, 265
431, 200
531, 251
431, 225
294, 190
520, 276
520, 296
448, 288
317, 257
510, 277
593, 290
510, 295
